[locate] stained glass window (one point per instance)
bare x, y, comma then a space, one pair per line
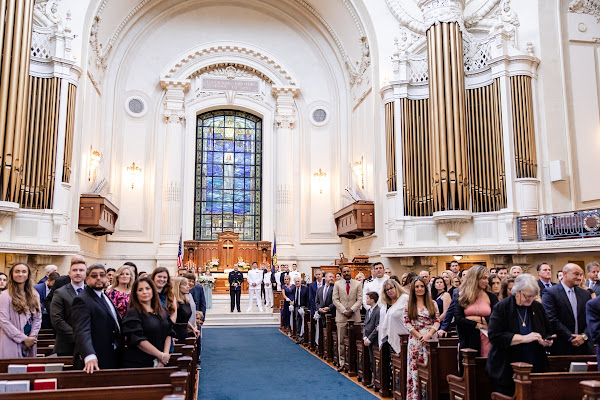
228, 175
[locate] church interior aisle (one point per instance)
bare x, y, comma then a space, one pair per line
261, 363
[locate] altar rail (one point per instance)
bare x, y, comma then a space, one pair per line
568, 225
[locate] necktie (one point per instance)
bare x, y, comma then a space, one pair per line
325, 293
573, 301
297, 296
78, 291
368, 314
348, 287
112, 309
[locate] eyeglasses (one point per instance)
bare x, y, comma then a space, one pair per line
390, 288
96, 275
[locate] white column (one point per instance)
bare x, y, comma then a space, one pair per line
173, 161
285, 118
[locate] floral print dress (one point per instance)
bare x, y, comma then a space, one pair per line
120, 300
416, 350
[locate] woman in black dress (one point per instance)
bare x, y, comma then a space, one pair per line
183, 323
147, 328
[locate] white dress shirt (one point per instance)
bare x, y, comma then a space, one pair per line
376, 285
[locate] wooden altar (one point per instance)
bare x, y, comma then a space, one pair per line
228, 248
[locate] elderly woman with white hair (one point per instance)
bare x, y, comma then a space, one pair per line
519, 331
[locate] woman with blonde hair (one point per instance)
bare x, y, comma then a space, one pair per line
473, 311
120, 291
181, 289
162, 279
20, 314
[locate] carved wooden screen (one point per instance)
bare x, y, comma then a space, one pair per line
228, 175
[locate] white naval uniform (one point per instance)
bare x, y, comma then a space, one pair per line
376, 285
254, 276
293, 275
278, 280
268, 289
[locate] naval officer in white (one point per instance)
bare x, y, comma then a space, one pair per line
254, 278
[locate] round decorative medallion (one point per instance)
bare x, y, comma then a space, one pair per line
591, 223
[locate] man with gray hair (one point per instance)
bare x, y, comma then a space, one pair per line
515, 271
48, 270
592, 269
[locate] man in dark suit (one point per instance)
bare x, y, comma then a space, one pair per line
545, 277
284, 271
592, 311
593, 268
48, 270
565, 305
370, 333
324, 298
44, 290
236, 279
300, 300
60, 308
313, 288
96, 325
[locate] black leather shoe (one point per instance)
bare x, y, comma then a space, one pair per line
370, 386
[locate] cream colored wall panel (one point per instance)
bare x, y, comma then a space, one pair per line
586, 118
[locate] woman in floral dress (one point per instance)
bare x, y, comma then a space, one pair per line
120, 291
422, 321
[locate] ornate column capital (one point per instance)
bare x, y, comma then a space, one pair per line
436, 11
174, 98
286, 114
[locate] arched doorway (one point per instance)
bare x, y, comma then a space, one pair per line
228, 175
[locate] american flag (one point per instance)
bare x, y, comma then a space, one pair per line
180, 252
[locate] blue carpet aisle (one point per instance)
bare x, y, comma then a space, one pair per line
261, 363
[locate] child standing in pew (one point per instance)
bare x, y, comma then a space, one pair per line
147, 328
20, 314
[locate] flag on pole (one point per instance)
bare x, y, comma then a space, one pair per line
180, 252
274, 257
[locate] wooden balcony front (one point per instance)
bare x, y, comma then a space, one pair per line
357, 219
97, 215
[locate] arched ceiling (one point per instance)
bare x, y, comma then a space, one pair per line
337, 19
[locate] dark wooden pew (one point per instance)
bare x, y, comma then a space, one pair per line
363, 364
547, 385
320, 348
312, 332
381, 373
4, 363
328, 338
441, 362
147, 392
334, 345
591, 390
113, 377
399, 370
354, 331
475, 383
306, 334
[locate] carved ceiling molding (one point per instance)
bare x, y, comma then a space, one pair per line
231, 71
591, 7
411, 16
179, 67
356, 70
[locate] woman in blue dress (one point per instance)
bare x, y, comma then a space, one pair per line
288, 292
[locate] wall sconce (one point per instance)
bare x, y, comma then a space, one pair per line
359, 171
133, 171
95, 158
457, 258
321, 178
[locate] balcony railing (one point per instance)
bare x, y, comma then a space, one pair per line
569, 225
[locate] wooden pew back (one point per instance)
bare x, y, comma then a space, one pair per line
441, 363
4, 363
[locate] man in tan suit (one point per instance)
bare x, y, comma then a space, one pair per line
347, 298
